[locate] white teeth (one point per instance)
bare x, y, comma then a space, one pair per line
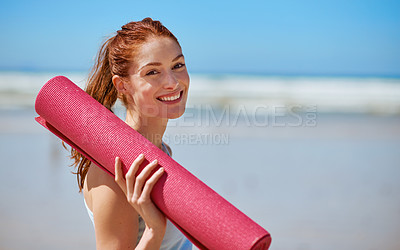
170, 98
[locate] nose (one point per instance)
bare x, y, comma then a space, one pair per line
170, 81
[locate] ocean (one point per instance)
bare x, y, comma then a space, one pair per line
314, 160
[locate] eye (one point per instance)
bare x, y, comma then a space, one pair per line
179, 65
151, 72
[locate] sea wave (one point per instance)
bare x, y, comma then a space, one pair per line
327, 94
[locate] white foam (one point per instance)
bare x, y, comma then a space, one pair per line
330, 94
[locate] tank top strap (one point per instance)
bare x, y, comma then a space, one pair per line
165, 149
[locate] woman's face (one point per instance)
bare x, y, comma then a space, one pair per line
158, 80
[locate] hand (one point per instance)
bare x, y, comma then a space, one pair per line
138, 189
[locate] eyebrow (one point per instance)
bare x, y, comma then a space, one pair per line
159, 64
176, 58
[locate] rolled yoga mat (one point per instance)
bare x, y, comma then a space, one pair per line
206, 218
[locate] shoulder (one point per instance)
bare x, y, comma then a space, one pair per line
100, 183
115, 220
102, 186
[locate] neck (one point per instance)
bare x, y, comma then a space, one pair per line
152, 128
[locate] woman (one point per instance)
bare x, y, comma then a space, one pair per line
142, 65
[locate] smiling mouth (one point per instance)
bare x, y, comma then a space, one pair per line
171, 99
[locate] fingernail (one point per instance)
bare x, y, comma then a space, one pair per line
161, 169
155, 161
141, 155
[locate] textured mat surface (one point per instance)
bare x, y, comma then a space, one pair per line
206, 218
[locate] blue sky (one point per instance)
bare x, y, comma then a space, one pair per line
328, 37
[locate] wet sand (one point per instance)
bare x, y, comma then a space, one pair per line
334, 185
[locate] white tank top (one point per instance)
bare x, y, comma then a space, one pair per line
173, 238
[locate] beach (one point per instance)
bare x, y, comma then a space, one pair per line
318, 172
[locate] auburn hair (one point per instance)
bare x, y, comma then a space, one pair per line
115, 57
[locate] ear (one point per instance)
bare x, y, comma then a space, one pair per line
119, 83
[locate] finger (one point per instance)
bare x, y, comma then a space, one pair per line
148, 187
119, 179
130, 175
141, 178
135, 165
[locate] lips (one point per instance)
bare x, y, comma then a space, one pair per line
171, 98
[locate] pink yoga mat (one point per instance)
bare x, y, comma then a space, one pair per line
206, 218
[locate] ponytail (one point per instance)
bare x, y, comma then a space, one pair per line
101, 88
100, 85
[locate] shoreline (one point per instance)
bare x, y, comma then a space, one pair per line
327, 94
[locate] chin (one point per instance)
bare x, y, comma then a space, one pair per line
172, 115
174, 112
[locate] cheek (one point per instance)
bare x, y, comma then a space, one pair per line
145, 96
141, 89
146, 103
184, 78
139, 95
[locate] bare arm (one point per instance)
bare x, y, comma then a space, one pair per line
117, 203
137, 190
116, 221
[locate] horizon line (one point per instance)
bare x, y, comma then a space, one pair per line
222, 73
